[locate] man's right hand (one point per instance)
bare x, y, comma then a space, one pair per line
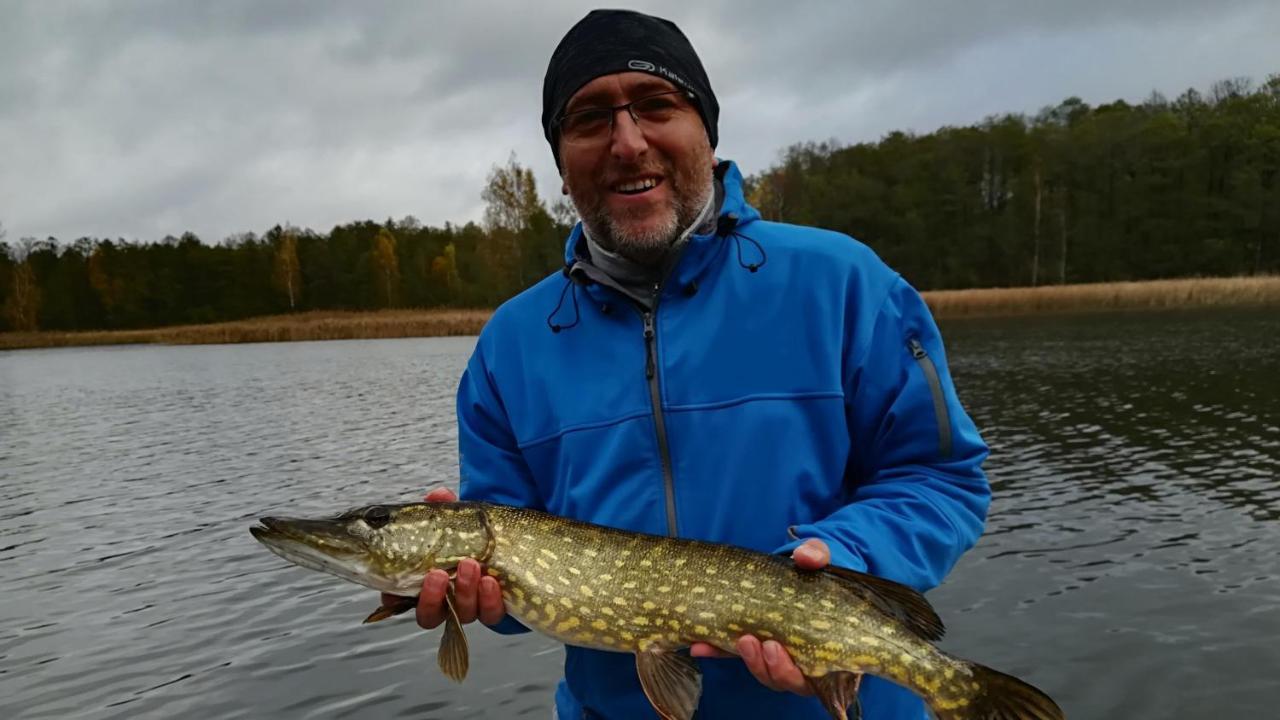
476, 595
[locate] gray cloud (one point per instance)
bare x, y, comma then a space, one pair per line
140, 119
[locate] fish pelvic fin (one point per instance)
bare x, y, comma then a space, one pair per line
998, 696
671, 681
838, 692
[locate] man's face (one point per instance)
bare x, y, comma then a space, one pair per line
673, 156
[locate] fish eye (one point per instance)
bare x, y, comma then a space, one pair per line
377, 516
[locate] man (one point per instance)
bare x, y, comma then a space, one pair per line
696, 371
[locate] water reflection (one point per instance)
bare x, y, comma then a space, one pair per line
1130, 567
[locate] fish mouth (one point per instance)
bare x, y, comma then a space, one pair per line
328, 533
323, 545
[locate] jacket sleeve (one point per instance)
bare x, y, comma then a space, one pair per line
919, 497
491, 466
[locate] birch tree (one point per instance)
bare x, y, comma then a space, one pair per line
287, 271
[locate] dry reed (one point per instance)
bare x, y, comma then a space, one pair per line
1154, 294
317, 325
1100, 297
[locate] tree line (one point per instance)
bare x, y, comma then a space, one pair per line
1076, 193
1162, 189
116, 284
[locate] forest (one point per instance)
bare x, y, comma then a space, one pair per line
1188, 187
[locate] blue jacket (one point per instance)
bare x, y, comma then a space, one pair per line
802, 392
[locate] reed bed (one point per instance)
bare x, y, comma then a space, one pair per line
320, 325
1101, 297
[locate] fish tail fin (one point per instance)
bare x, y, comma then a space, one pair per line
998, 696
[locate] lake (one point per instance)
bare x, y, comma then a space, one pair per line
1131, 565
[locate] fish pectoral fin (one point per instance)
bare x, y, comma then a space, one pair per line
453, 655
386, 610
894, 599
838, 692
671, 681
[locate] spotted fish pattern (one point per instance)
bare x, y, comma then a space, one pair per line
608, 589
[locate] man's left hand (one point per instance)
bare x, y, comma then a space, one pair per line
769, 662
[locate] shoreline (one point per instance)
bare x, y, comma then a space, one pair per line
945, 305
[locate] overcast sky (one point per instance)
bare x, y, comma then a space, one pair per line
141, 119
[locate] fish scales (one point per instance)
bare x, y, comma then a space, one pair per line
608, 589
671, 592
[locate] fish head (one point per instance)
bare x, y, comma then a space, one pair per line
389, 548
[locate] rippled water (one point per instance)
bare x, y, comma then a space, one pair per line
1131, 567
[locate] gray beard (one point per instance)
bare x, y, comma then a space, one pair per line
648, 247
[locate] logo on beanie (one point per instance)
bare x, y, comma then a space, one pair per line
647, 66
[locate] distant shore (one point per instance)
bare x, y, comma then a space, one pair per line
946, 304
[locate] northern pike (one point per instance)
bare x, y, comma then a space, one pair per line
608, 589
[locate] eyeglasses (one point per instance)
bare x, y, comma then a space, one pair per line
595, 125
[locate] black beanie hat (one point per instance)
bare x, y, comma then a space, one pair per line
614, 41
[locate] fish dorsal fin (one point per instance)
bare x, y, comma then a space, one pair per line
671, 681
893, 599
453, 656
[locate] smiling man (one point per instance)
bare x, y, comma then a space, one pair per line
699, 372
639, 182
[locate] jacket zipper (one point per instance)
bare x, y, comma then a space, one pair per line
655, 396
940, 411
